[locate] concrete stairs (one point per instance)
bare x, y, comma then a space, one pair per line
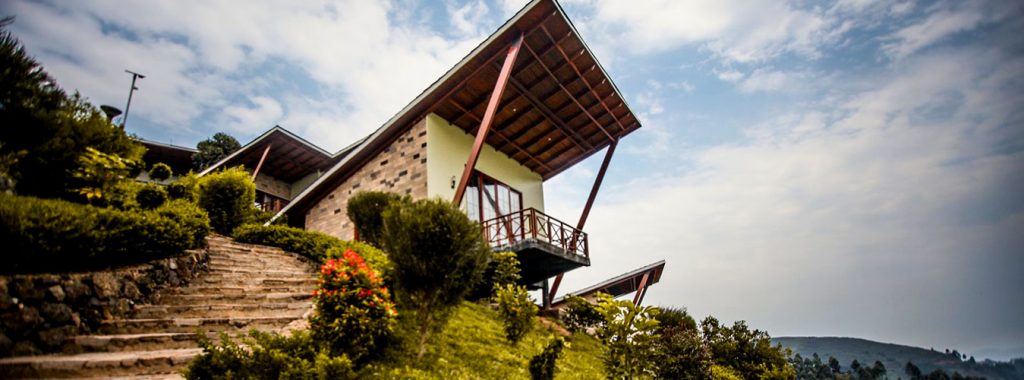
247, 286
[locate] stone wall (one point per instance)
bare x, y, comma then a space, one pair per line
40, 312
273, 186
400, 168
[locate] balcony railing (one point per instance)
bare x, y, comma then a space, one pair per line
529, 224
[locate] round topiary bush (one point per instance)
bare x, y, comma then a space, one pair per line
150, 196
366, 210
160, 171
227, 196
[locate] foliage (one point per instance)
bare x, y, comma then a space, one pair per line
48, 130
471, 347
682, 353
439, 255
214, 149
160, 171
724, 373
98, 172
749, 352
366, 209
542, 366
375, 258
227, 196
354, 309
675, 317
580, 315
50, 235
267, 356
516, 309
506, 269
630, 334
257, 216
151, 196
190, 218
185, 187
317, 246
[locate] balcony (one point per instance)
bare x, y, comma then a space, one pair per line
545, 246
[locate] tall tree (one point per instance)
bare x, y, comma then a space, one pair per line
46, 129
214, 149
912, 371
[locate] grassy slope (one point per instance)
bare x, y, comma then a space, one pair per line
893, 356
473, 345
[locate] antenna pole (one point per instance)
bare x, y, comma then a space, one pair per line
135, 75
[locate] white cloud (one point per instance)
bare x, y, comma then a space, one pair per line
769, 80
943, 21
263, 114
730, 75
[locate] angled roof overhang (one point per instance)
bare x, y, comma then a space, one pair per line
622, 284
559, 107
179, 158
289, 159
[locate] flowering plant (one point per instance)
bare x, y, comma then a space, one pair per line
354, 309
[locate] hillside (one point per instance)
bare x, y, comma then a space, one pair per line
893, 356
473, 346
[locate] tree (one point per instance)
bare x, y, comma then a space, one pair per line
749, 352
833, 363
878, 370
912, 371
439, 255
629, 333
47, 130
366, 209
228, 196
214, 149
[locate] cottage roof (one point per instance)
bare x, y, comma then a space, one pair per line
290, 158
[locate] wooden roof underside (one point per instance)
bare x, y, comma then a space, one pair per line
625, 283
559, 106
289, 159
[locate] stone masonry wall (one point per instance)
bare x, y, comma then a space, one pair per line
273, 186
40, 312
400, 168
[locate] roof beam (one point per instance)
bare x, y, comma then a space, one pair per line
555, 78
260, 164
584, 79
540, 106
498, 133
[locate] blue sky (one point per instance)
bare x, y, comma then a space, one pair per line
841, 168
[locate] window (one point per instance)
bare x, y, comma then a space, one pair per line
487, 198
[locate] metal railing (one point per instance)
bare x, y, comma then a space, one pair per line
527, 224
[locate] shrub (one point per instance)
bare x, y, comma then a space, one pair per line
580, 315
675, 317
542, 366
311, 244
98, 172
189, 217
354, 309
150, 196
749, 352
268, 356
439, 255
52, 235
160, 171
185, 187
516, 309
227, 196
724, 373
629, 333
375, 258
506, 269
365, 209
682, 353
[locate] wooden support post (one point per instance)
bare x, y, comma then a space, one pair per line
260, 164
597, 185
554, 289
641, 289
492, 109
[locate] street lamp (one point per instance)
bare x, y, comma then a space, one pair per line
135, 75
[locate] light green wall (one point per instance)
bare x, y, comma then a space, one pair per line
448, 148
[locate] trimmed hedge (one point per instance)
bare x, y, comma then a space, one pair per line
314, 245
49, 235
227, 196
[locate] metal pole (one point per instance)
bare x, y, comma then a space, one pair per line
135, 75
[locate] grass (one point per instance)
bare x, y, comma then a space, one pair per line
473, 345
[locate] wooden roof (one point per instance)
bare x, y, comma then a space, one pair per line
559, 107
290, 158
179, 158
622, 284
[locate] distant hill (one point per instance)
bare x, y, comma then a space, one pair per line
894, 356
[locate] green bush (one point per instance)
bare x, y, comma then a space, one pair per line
48, 235
542, 366
185, 187
311, 244
228, 197
682, 353
366, 209
580, 315
506, 269
268, 356
160, 171
375, 258
151, 196
516, 309
189, 217
439, 256
354, 309
629, 333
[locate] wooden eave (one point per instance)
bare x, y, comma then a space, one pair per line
623, 284
560, 106
290, 157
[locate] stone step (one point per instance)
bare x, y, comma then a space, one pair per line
173, 325
270, 271
254, 289
248, 258
136, 342
99, 364
221, 310
241, 281
207, 299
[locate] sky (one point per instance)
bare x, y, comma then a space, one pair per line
832, 168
